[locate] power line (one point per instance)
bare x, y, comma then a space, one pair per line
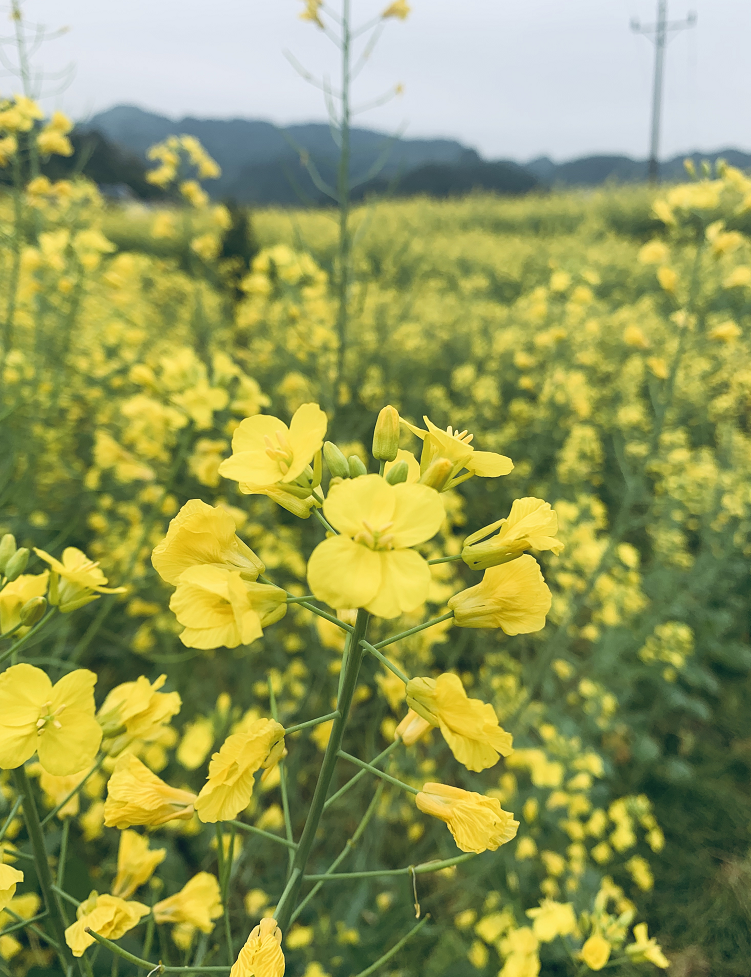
659, 33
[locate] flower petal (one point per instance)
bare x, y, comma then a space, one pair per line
75, 691
368, 498
405, 581
71, 747
23, 690
488, 464
306, 433
249, 461
344, 573
418, 514
17, 745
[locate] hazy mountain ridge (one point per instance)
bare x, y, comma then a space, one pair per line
261, 162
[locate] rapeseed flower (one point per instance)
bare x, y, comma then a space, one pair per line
218, 608
513, 596
478, 823
456, 447
198, 903
596, 952
14, 595
646, 949
370, 563
109, 916
262, 954
531, 525
265, 451
135, 795
469, 726
311, 12
551, 919
135, 863
9, 879
136, 711
76, 581
400, 9
231, 772
411, 728
55, 721
201, 535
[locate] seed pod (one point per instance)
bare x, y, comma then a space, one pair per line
7, 549
356, 467
33, 611
335, 460
17, 564
386, 434
397, 473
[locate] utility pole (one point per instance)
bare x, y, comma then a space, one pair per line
659, 33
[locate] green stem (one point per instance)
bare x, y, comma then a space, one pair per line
63, 854
252, 829
423, 869
394, 949
297, 600
154, 969
22, 641
378, 773
310, 722
385, 661
358, 776
327, 616
420, 627
13, 813
444, 559
282, 777
36, 836
20, 925
324, 522
344, 702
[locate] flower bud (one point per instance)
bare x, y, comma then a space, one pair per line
437, 474
356, 467
16, 564
386, 435
7, 549
32, 611
398, 473
335, 460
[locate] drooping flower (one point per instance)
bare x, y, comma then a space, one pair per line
14, 595
109, 916
230, 783
370, 564
531, 525
136, 711
202, 534
9, 879
76, 581
265, 451
198, 903
513, 596
218, 608
135, 795
551, 919
478, 823
411, 728
262, 954
55, 721
135, 863
596, 952
469, 726
646, 949
456, 447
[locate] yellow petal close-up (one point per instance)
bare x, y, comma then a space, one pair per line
250, 461
343, 573
354, 501
9, 879
404, 586
512, 596
418, 514
24, 689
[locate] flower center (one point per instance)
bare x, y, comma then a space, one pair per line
46, 716
463, 436
281, 452
375, 539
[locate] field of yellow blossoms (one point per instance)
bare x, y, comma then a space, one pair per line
411, 642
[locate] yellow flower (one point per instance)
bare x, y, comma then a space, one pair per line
56, 789
135, 795
197, 903
551, 919
140, 708
108, 916
646, 949
477, 823
265, 451
230, 783
370, 563
15, 594
595, 952
411, 728
262, 954
197, 740
55, 721
400, 9
218, 608
202, 534
51, 141
135, 863
76, 581
311, 12
513, 596
469, 726
531, 525
724, 332
457, 448
9, 879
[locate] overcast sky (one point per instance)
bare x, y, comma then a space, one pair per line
513, 78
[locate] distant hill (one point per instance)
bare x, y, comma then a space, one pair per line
261, 162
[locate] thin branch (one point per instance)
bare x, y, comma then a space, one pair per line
420, 627
378, 773
251, 829
384, 661
394, 949
310, 722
